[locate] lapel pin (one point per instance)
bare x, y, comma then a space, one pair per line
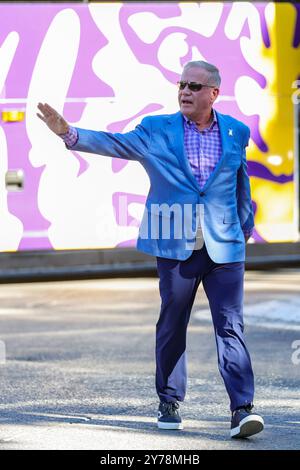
230, 132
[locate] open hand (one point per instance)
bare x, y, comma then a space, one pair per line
53, 119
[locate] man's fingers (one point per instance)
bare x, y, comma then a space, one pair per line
41, 107
51, 118
44, 112
49, 109
41, 117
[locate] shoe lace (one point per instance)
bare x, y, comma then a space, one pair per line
247, 408
171, 408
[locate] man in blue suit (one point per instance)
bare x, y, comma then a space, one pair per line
198, 217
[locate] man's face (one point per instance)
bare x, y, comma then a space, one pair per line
194, 104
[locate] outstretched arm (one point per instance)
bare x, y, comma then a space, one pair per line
131, 145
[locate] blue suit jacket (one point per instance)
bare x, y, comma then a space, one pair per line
223, 203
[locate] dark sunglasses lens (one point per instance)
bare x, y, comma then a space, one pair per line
195, 86
181, 85
191, 86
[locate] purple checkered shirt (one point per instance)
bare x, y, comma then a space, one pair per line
71, 137
203, 149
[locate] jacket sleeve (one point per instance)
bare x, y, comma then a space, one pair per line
244, 203
131, 145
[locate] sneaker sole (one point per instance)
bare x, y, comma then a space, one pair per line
172, 426
248, 427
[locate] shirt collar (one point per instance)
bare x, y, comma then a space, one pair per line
188, 121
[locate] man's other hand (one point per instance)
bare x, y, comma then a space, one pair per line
53, 119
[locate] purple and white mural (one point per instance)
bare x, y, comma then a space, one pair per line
106, 66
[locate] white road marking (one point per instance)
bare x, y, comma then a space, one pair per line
283, 313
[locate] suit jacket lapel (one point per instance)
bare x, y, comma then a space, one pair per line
227, 139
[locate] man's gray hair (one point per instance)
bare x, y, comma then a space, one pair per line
214, 75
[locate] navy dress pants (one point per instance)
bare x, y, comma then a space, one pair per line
223, 285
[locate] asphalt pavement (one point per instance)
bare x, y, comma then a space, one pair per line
77, 366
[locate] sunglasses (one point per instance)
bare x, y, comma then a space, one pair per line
193, 86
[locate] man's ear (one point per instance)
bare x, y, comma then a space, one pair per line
214, 94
